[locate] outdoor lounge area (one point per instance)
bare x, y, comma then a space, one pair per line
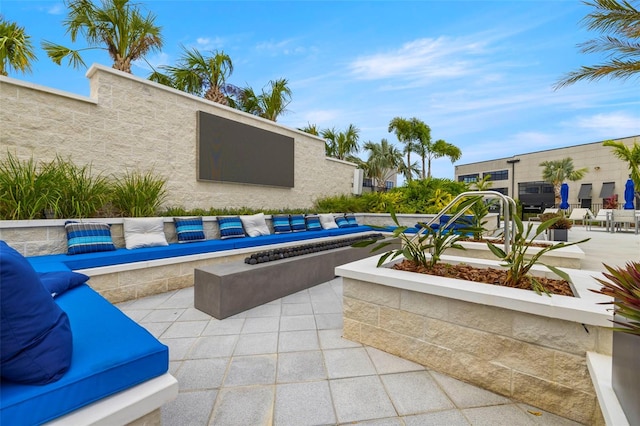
285, 362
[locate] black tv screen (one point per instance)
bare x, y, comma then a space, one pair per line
229, 151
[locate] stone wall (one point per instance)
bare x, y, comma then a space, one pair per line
129, 123
540, 361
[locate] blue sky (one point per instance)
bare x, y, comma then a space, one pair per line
479, 73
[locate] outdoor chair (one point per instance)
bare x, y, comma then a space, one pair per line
546, 211
624, 218
580, 214
602, 219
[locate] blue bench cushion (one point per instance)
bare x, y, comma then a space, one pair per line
110, 353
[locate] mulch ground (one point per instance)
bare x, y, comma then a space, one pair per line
484, 276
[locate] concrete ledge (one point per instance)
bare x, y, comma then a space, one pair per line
600, 370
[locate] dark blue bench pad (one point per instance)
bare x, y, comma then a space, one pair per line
57, 262
111, 353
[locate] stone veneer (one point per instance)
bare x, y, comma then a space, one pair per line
535, 359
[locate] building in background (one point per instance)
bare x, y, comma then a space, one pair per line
520, 176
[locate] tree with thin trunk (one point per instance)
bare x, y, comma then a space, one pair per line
629, 154
16, 50
341, 145
269, 104
116, 26
406, 132
556, 172
199, 75
383, 162
619, 20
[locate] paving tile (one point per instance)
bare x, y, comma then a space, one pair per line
185, 329
289, 309
244, 406
329, 321
213, 347
415, 392
182, 298
258, 343
306, 340
332, 339
224, 327
156, 328
150, 302
193, 314
301, 404
201, 374
261, 325
497, 415
251, 370
299, 322
465, 395
390, 421
299, 297
264, 311
189, 408
301, 367
174, 366
135, 314
385, 363
545, 418
327, 306
350, 362
360, 398
163, 315
178, 348
438, 418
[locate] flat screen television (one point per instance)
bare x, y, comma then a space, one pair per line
229, 151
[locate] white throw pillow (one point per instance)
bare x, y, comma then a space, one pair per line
255, 225
144, 232
328, 221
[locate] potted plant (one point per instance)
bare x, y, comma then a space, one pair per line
559, 230
623, 284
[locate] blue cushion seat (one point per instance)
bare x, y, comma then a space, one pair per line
110, 353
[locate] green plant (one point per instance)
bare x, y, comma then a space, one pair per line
425, 248
80, 193
26, 189
561, 223
623, 284
516, 261
138, 194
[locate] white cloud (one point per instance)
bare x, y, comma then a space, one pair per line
607, 124
283, 47
208, 43
56, 9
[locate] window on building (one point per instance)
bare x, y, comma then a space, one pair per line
468, 178
503, 191
367, 183
497, 175
388, 184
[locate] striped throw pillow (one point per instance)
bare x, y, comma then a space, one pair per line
297, 223
88, 237
313, 222
281, 224
189, 229
342, 222
351, 219
230, 227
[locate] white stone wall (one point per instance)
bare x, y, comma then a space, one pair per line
130, 123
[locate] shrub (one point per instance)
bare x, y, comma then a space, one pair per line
138, 194
80, 194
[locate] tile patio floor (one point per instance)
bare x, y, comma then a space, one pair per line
285, 363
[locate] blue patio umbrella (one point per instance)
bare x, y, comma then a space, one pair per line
629, 195
564, 196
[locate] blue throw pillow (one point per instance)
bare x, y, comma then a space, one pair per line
88, 237
281, 224
313, 222
342, 222
297, 223
35, 335
57, 282
189, 229
230, 227
351, 219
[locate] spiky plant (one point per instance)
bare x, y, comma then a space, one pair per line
623, 284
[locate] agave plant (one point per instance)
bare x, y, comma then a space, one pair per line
519, 264
623, 284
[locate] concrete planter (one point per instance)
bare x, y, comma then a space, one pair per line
513, 342
625, 377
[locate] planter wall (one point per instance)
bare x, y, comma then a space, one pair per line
626, 374
469, 331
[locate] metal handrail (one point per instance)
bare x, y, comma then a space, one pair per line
507, 202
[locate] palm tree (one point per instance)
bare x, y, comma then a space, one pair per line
406, 132
557, 171
429, 151
16, 50
312, 129
115, 26
198, 75
631, 156
269, 104
622, 46
341, 145
383, 162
